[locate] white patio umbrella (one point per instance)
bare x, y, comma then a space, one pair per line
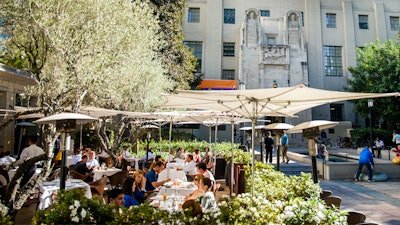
256, 103
65, 123
311, 130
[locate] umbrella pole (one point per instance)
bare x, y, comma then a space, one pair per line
169, 146
215, 148
159, 133
253, 122
278, 153
232, 166
63, 159
312, 153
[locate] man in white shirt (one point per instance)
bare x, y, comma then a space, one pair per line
92, 161
7, 159
190, 166
29, 152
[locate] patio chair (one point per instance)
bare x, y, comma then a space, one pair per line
55, 174
216, 188
97, 187
107, 160
76, 175
325, 193
117, 178
354, 218
333, 201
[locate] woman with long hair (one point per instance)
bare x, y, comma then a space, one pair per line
127, 188
139, 186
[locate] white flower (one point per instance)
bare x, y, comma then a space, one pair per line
77, 203
73, 212
83, 213
75, 219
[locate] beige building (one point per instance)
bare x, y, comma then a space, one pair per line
288, 42
12, 84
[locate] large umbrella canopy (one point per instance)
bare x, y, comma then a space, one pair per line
255, 103
79, 118
278, 126
321, 124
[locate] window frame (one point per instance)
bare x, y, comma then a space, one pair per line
333, 61
228, 19
363, 22
193, 16
265, 13
330, 20
195, 46
227, 51
336, 112
227, 74
394, 23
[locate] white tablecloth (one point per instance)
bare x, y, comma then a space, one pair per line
134, 161
48, 188
69, 161
98, 174
172, 174
185, 189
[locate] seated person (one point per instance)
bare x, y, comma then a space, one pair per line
190, 166
202, 169
127, 188
7, 159
76, 157
192, 207
171, 156
152, 176
179, 154
121, 163
158, 158
139, 186
116, 197
92, 161
81, 168
197, 156
204, 194
148, 156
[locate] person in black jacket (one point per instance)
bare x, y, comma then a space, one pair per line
269, 146
81, 168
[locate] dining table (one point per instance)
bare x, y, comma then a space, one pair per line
12, 172
99, 172
49, 188
172, 195
172, 174
134, 161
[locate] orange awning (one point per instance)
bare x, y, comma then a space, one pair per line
218, 85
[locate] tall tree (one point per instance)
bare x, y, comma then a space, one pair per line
95, 52
178, 61
378, 70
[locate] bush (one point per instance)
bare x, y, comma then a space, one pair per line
361, 136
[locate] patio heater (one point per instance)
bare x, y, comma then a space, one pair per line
65, 124
371, 128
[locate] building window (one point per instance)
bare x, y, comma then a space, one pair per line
228, 74
229, 49
194, 15
197, 48
337, 112
333, 61
229, 16
265, 13
394, 23
331, 20
271, 40
363, 22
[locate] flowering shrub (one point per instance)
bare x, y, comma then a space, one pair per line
278, 199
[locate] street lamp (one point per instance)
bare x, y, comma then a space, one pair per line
371, 131
275, 85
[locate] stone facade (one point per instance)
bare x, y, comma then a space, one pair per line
285, 42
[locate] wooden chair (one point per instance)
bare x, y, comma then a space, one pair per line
354, 218
97, 187
117, 178
107, 160
55, 174
216, 188
76, 175
325, 193
71, 167
333, 201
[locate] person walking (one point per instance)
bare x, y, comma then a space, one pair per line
366, 159
284, 146
269, 146
396, 137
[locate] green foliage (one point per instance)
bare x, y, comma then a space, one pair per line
378, 70
73, 208
361, 136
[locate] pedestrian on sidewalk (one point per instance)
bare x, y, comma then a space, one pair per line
396, 137
285, 145
366, 159
269, 146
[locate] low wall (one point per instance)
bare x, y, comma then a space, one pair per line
346, 170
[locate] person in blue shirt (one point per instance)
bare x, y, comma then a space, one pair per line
284, 146
127, 187
152, 176
366, 159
